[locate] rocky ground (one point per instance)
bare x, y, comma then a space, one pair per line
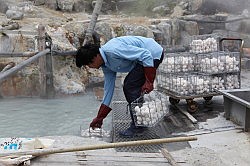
171, 23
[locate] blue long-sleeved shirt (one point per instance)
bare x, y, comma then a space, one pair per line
121, 55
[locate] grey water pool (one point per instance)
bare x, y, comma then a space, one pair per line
33, 117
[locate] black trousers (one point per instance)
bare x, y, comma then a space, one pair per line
135, 80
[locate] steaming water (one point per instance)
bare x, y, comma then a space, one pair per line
32, 117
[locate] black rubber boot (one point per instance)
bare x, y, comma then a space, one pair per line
132, 131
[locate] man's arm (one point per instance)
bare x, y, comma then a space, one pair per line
109, 85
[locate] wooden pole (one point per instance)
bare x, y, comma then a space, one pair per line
45, 64
40, 152
90, 29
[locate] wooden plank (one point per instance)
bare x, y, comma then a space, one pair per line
188, 115
78, 158
124, 154
55, 163
127, 163
175, 121
123, 159
16, 160
169, 157
62, 159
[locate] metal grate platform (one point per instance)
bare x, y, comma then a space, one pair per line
172, 123
118, 95
121, 121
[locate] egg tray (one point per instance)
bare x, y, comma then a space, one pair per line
149, 109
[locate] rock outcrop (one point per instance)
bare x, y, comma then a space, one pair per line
66, 22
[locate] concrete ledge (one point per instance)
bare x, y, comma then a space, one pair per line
245, 63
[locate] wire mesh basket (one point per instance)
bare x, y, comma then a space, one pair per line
217, 82
184, 84
232, 80
203, 43
231, 44
197, 84
178, 62
149, 109
218, 62
225, 81
231, 61
214, 63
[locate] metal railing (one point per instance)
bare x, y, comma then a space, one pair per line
4, 75
44, 56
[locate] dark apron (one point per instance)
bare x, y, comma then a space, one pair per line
135, 80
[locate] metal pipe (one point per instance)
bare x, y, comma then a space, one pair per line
21, 65
63, 53
17, 32
17, 54
29, 54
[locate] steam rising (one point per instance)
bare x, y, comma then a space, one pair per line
210, 7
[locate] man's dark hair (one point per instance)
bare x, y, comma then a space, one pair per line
86, 54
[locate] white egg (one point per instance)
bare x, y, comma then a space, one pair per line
138, 122
137, 109
139, 119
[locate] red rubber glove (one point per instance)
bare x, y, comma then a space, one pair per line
102, 113
150, 73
